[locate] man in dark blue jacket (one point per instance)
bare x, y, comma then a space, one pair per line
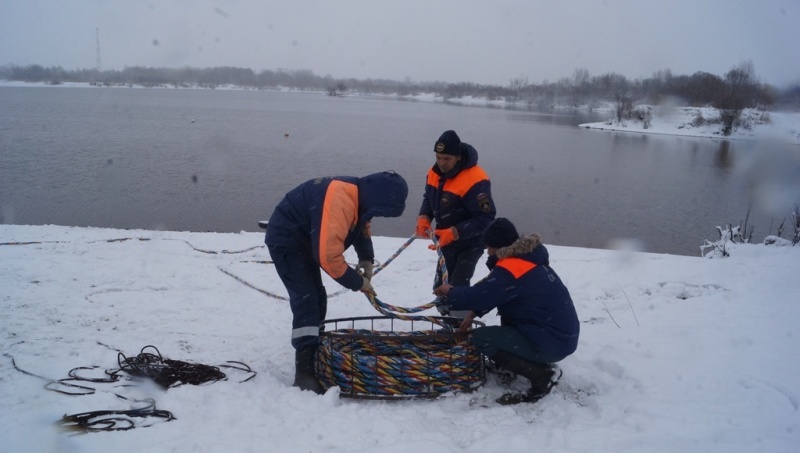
458, 197
310, 229
539, 325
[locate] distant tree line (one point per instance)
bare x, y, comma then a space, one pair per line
730, 94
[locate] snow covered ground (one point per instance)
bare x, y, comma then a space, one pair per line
677, 354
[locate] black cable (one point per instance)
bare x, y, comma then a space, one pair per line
112, 420
166, 372
149, 364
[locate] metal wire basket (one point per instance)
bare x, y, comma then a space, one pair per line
379, 357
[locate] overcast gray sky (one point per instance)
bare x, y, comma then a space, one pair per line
487, 42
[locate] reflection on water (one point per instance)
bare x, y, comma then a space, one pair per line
205, 160
724, 159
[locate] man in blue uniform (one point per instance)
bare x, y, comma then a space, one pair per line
458, 199
538, 322
310, 229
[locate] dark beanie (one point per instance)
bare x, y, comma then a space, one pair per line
500, 233
448, 143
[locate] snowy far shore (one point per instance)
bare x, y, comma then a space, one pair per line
781, 127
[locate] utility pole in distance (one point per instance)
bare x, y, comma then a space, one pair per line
99, 67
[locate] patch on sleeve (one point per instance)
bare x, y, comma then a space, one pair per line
484, 202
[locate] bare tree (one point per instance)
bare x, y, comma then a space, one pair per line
517, 85
663, 75
339, 90
740, 89
623, 108
581, 89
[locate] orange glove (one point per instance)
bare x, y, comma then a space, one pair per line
423, 227
445, 236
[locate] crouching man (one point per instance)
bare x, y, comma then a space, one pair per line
539, 325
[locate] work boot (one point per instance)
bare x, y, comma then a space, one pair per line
305, 375
541, 375
504, 376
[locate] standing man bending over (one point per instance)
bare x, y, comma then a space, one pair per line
310, 229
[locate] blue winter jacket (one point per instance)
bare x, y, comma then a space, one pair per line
323, 217
528, 295
461, 198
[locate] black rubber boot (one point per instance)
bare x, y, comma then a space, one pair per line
541, 375
305, 375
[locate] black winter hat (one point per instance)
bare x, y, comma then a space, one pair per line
500, 233
448, 143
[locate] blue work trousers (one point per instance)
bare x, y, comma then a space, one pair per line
307, 296
491, 339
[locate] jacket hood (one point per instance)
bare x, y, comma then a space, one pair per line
469, 155
382, 195
528, 247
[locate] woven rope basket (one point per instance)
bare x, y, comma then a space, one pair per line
388, 358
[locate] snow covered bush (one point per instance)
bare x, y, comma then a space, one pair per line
721, 247
732, 235
643, 114
698, 120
